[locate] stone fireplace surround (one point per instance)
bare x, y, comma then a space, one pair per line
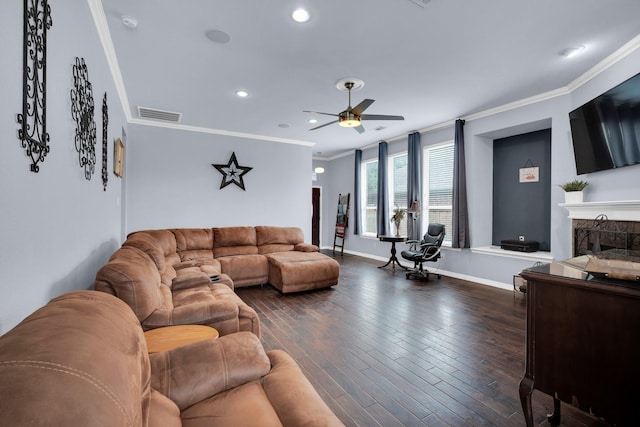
604, 225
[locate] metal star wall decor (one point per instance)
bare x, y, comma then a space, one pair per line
232, 173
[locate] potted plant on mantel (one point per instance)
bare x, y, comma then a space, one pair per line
573, 191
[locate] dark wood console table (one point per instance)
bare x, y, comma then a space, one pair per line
583, 343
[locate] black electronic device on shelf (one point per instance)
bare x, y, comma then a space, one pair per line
519, 245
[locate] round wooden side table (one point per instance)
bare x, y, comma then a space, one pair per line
170, 337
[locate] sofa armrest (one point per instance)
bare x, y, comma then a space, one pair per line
190, 374
306, 247
293, 397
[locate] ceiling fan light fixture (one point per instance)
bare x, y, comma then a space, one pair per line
348, 119
350, 123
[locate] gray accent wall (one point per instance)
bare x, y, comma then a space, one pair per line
522, 209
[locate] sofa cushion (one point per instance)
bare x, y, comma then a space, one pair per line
193, 272
229, 241
160, 245
214, 304
79, 361
133, 277
301, 271
277, 239
244, 406
165, 240
194, 243
246, 269
283, 397
208, 367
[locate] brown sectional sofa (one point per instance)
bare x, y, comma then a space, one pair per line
164, 275
82, 360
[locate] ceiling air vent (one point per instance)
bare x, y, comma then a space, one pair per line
154, 114
420, 3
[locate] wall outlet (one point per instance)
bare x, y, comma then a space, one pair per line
521, 238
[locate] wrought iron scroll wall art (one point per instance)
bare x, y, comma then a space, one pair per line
105, 124
82, 112
33, 131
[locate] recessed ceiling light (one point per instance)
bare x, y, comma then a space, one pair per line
570, 52
313, 120
218, 36
284, 125
319, 169
300, 15
129, 22
242, 93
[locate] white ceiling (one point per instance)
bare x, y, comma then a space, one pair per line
431, 64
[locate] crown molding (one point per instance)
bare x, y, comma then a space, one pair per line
200, 129
100, 21
624, 51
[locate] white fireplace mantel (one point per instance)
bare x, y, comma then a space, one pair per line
627, 210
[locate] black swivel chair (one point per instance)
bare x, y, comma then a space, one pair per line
427, 249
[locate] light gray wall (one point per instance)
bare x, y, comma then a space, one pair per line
171, 181
57, 228
613, 185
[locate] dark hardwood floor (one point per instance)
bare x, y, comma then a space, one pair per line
383, 350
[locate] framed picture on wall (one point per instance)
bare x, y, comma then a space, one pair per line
531, 174
118, 157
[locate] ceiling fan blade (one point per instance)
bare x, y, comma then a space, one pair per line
326, 124
379, 117
318, 112
360, 128
359, 109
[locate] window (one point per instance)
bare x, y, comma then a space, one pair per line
398, 187
438, 188
369, 200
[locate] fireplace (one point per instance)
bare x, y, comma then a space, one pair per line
601, 234
600, 226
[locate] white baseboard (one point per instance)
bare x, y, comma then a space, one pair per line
479, 280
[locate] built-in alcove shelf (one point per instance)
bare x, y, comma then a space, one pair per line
626, 210
538, 256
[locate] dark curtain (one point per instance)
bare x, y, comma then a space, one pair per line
357, 225
383, 191
460, 220
414, 184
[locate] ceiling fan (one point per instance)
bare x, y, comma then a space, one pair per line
352, 117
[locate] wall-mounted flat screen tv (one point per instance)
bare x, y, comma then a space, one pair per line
606, 130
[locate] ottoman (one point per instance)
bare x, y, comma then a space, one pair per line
301, 271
